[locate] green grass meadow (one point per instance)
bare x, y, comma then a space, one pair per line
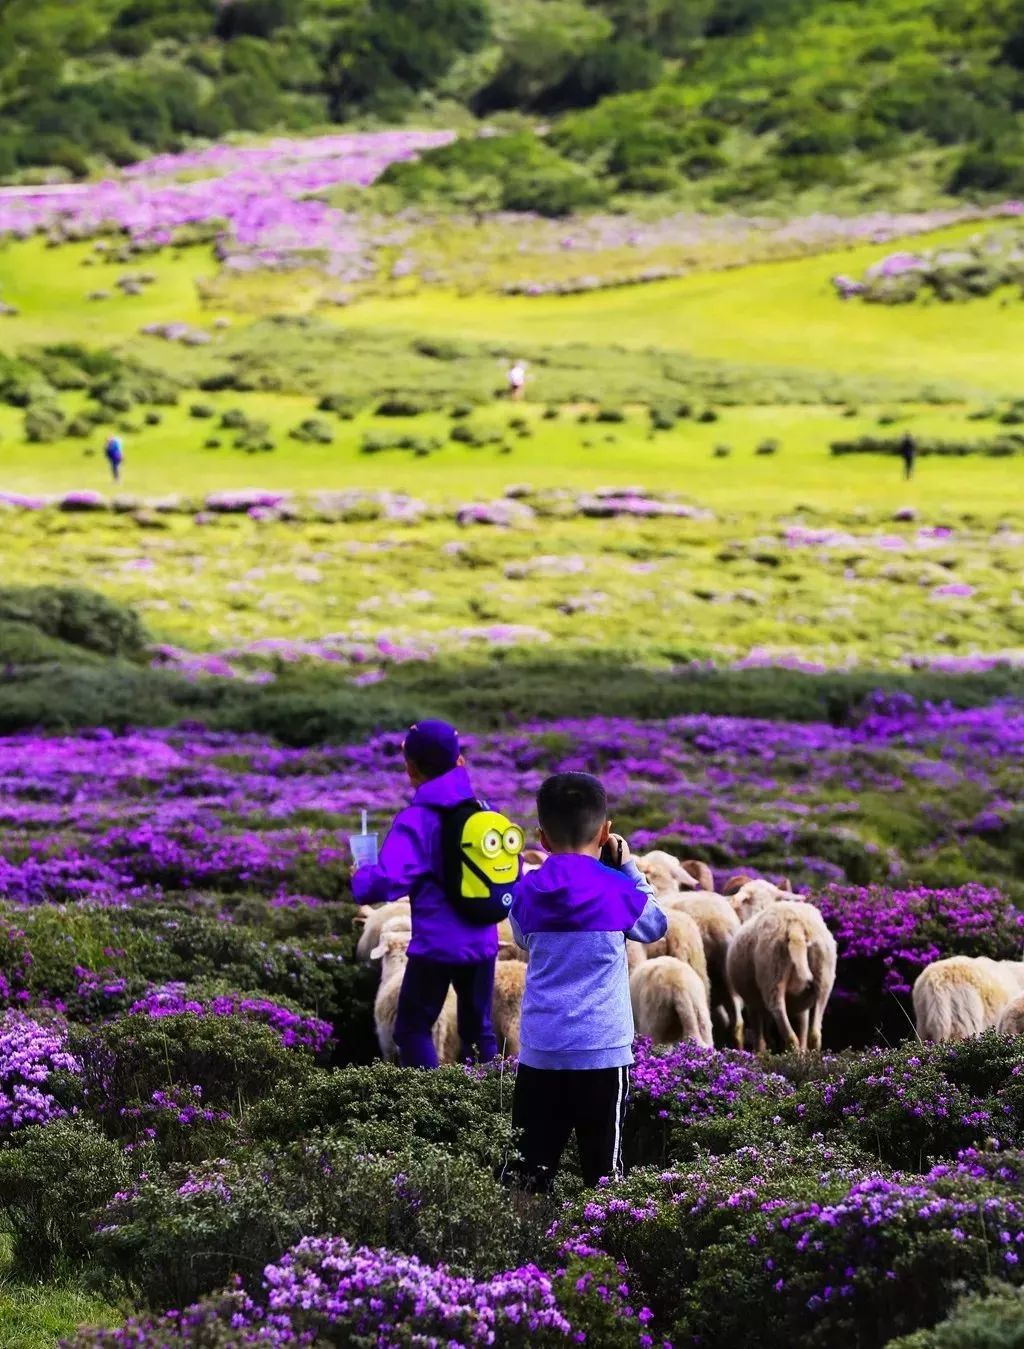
767, 316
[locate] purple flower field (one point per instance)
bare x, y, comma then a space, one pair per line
186, 1048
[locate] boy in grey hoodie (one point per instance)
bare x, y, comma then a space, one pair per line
574, 917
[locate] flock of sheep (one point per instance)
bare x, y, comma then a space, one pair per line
752, 958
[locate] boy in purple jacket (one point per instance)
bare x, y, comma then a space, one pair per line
445, 949
574, 917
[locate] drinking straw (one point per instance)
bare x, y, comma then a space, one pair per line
364, 821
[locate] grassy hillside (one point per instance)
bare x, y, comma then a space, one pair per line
714, 101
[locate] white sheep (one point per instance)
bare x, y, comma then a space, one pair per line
372, 920
508, 949
748, 897
964, 995
393, 953
683, 940
1011, 1022
507, 1005
670, 1002
717, 924
699, 872
665, 873
782, 963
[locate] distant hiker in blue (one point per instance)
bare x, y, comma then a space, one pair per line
115, 456
574, 916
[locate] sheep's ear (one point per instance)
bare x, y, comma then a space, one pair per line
786, 885
737, 883
687, 881
379, 952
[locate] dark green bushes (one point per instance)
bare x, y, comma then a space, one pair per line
54, 1178
181, 1234
516, 173
999, 447
79, 617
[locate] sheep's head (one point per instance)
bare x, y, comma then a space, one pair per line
731, 887
392, 951
698, 874
750, 898
660, 877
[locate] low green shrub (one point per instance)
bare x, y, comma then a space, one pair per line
990, 1320
54, 1179
313, 431
811, 1251
77, 616
917, 1104
446, 1108
177, 1235
231, 1060
402, 405
44, 423
343, 405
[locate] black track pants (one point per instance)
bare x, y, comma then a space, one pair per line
550, 1103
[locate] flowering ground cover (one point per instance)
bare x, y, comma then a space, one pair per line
248, 594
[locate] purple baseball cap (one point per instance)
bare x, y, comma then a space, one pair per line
433, 746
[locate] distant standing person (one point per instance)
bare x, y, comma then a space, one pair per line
908, 453
517, 381
115, 456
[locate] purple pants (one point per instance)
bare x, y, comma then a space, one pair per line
424, 990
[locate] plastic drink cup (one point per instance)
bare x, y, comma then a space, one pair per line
364, 849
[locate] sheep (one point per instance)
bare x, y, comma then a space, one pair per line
636, 954
1012, 1020
964, 995
684, 941
748, 897
508, 948
372, 921
665, 873
393, 952
507, 1005
670, 1002
783, 962
717, 924
701, 873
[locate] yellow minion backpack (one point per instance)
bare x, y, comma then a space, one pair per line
480, 851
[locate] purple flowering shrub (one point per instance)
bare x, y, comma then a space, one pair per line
179, 1233
295, 1030
813, 1255
889, 1256
660, 1224
909, 1105
325, 1290
31, 1054
685, 1089
885, 937
230, 1060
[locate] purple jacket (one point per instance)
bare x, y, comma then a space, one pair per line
410, 864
